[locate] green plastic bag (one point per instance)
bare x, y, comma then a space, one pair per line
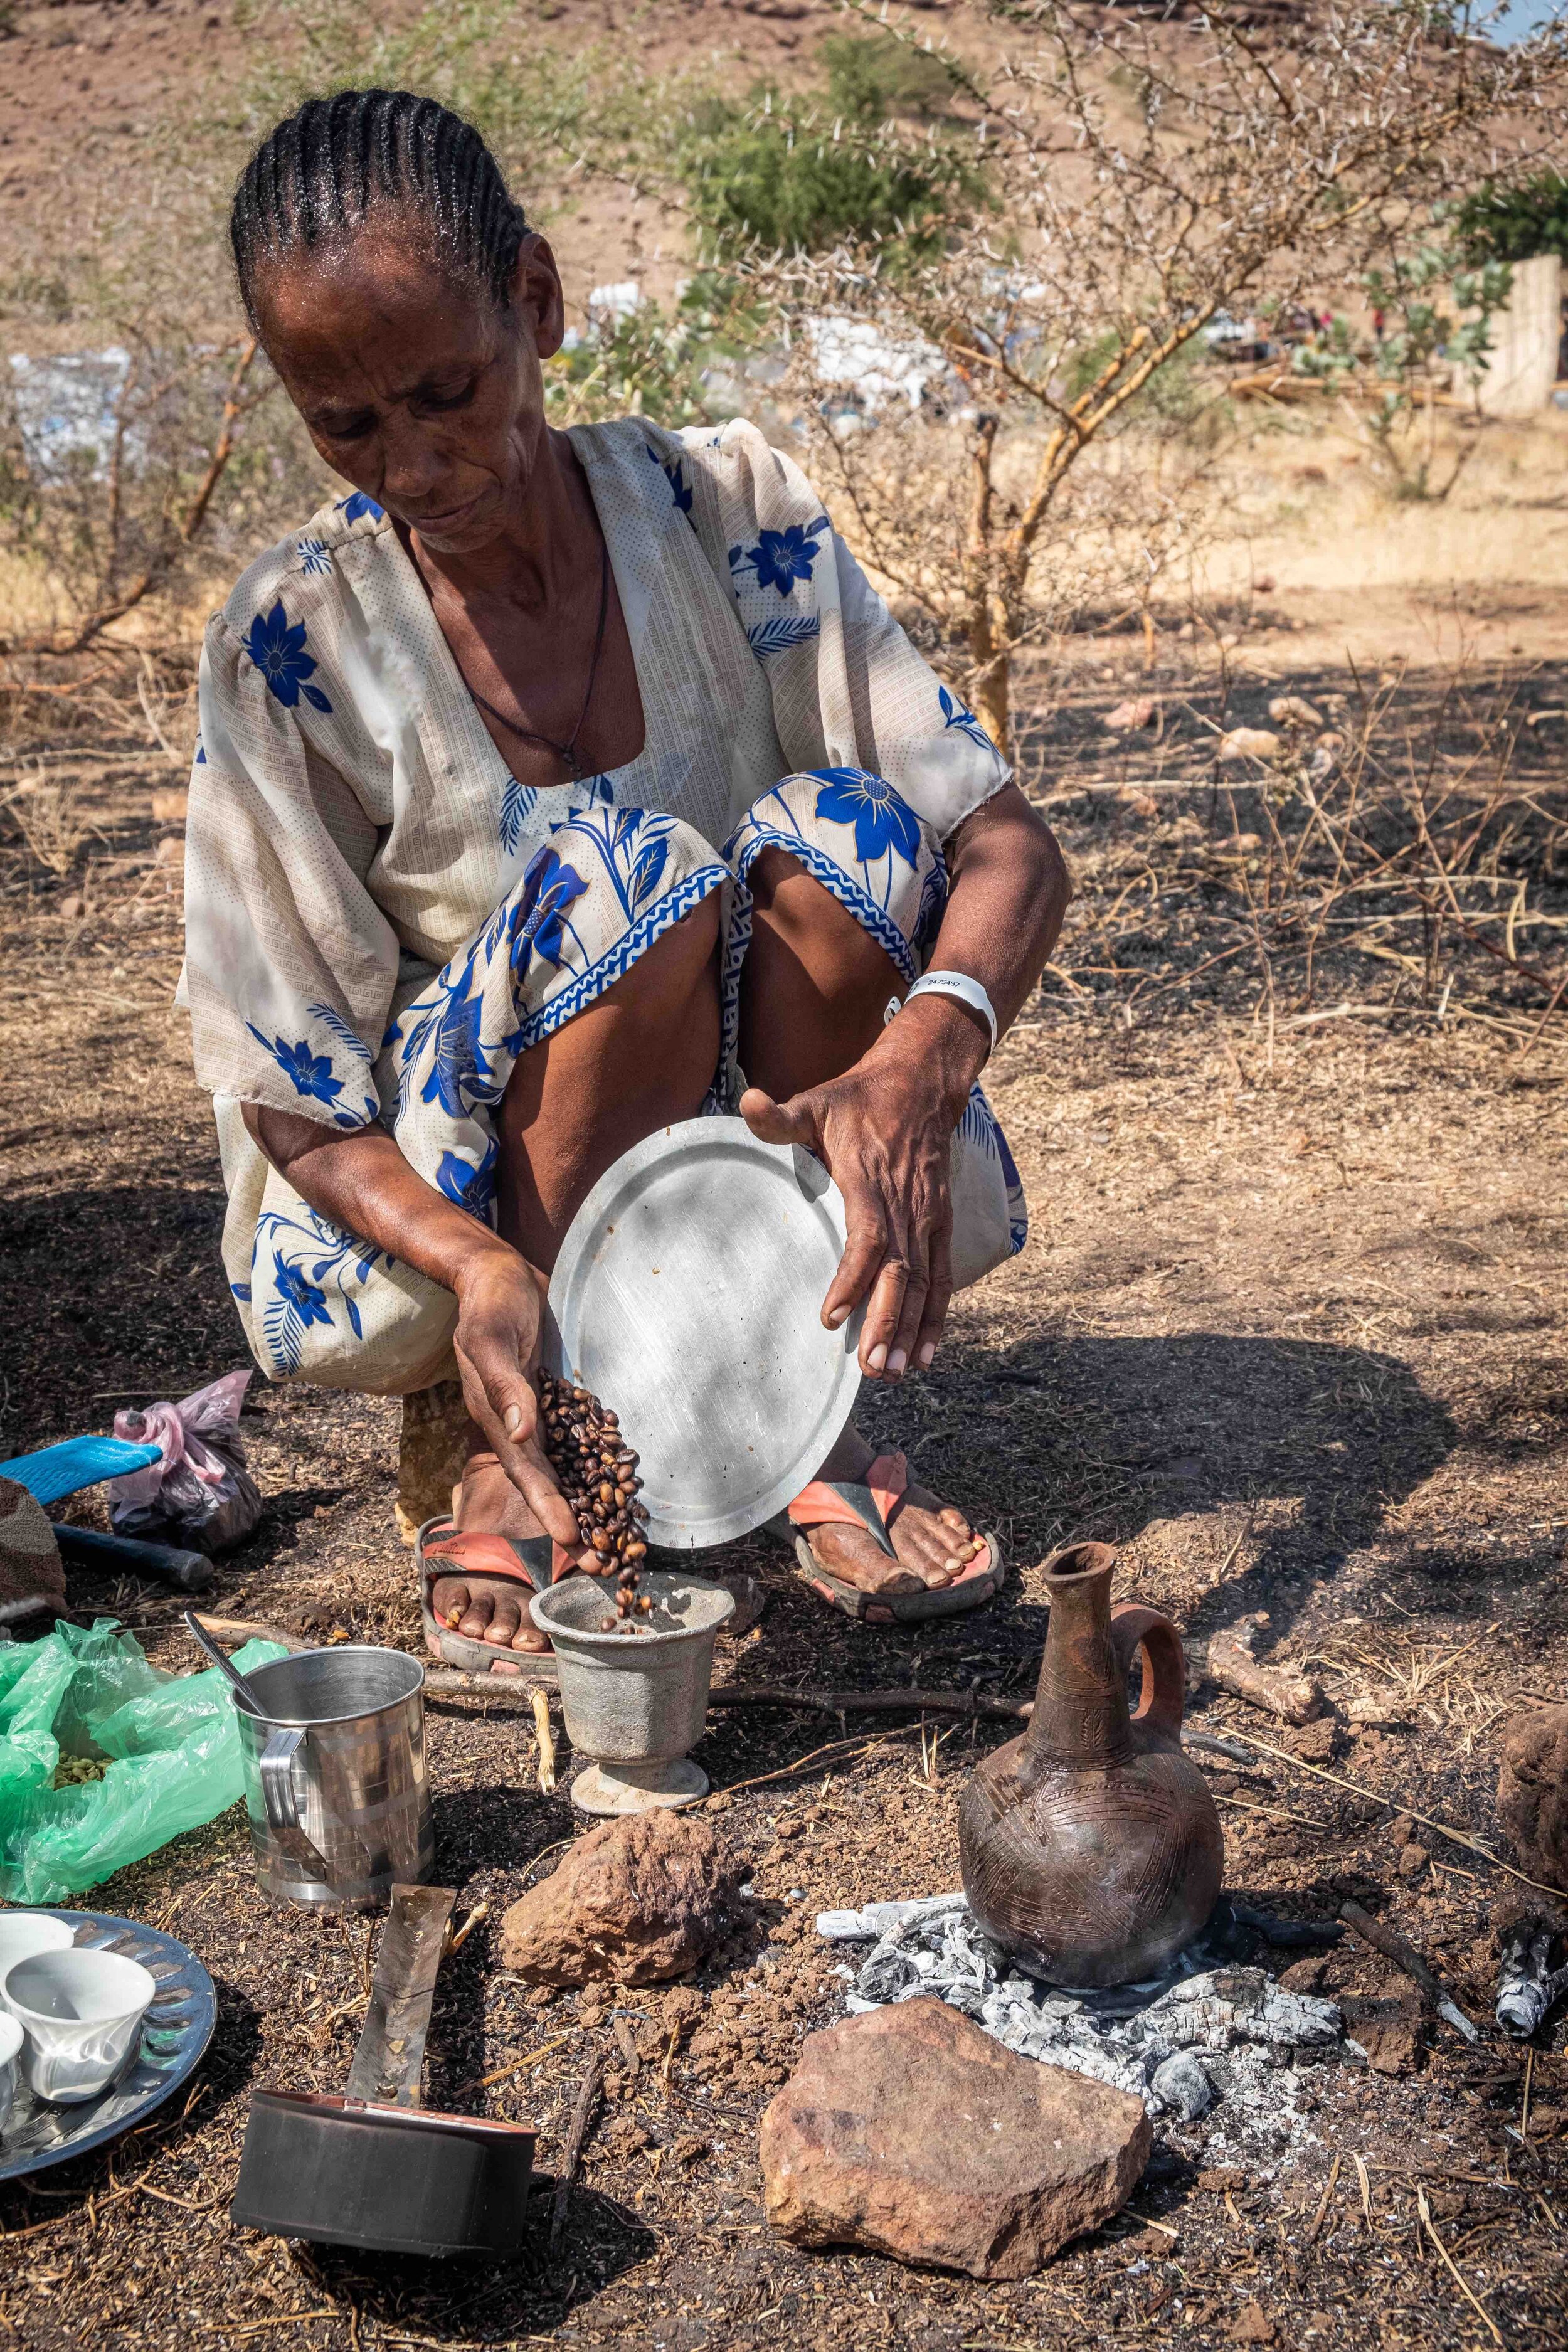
169, 1743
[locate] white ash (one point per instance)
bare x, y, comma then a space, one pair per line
1528, 1985
1206, 2027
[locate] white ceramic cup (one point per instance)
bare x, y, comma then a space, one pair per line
80, 2012
10, 2042
24, 1932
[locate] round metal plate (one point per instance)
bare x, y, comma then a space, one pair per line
175, 2032
687, 1296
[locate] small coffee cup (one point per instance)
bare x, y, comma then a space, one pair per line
24, 1933
10, 2042
80, 2012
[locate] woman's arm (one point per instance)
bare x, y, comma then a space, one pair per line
884, 1128
362, 1182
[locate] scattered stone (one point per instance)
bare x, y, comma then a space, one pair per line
1315, 1743
1310, 1975
636, 1901
171, 850
1249, 742
908, 2131
172, 807
1127, 717
1290, 710
1532, 1792
1393, 2034
70, 906
1413, 1860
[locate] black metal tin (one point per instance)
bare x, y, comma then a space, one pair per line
397, 2179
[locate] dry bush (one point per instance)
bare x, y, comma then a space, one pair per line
1144, 174
1400, 851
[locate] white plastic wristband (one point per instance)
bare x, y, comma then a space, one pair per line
953, 984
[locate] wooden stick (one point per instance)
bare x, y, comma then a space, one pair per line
514, 2066
1393, 1946
582, 2118
1370, 1797
1425, 2212
1316, 2221
869, 1702
547, 1738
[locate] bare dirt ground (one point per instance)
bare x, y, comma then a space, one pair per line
1289, 1326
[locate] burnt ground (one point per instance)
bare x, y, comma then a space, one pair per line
1289, 1326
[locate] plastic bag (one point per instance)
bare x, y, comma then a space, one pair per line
201, 1494
169, 1743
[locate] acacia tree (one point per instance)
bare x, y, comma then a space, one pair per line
1146, 175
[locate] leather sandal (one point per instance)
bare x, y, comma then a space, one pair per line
874, 1503
442, 1548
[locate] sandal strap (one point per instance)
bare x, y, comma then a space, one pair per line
460, 1551
872, 1503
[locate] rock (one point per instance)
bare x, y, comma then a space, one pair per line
1249, 743
1290, 710
1532, 1792
171, 850
1310, 1975
1413, 1860
70, 906
636, 1901
1392, 2032
910, 2131
1128, 717
171, 807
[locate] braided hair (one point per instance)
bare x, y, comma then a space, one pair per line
323, 170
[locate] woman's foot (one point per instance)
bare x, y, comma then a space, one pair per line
494, 1609
932, 1542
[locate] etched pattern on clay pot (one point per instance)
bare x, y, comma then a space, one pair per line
1090, 1846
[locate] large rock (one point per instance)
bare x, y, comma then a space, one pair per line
633, 1903
1532, 1792
911, 2131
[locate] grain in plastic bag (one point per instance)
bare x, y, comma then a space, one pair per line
89, 1700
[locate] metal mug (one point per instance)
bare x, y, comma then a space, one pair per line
335, 1778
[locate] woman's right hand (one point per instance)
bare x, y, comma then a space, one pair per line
500, 1302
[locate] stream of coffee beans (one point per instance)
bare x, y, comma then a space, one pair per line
597, 1474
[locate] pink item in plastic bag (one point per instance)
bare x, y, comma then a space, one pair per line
200, 1493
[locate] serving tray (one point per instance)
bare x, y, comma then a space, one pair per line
175, 2032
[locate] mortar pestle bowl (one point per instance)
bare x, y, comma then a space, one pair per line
1090, 1846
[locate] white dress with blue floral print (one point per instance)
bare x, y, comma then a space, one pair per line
380, 919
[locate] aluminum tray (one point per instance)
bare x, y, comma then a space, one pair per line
175, 2032
687, 1295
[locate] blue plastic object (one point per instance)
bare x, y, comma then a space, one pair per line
57, 1471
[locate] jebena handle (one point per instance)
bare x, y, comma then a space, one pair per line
1134, 1627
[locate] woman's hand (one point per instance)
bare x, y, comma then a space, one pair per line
884, 1131
500, 1316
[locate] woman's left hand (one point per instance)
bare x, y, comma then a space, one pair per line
884, 1132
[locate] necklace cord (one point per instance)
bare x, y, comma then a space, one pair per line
566, 751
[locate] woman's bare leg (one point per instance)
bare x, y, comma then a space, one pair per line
813, 994
640, 1057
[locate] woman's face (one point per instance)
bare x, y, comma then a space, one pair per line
412, 384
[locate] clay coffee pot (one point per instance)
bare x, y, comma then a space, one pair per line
1090, 1846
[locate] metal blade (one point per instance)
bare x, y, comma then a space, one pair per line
390, 2055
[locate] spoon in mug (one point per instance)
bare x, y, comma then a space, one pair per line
221, 1659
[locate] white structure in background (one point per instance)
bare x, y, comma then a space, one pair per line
609, 305
876, 368
1522, 366
65, 409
